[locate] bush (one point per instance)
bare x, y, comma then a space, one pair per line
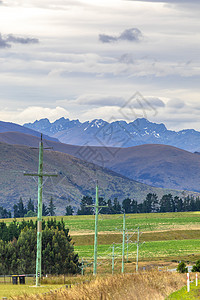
182, 268
196, 268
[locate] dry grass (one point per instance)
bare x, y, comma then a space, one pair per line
152, 285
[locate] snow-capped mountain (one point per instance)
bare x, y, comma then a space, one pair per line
116, 134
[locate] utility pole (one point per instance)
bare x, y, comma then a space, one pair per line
40, 176
96, 229
138, 245
113, 258
123, 241
97, 207
127, 241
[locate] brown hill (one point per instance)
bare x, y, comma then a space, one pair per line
157, 165
75, 179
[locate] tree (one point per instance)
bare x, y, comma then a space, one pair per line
102, 202
166, 203
19, 255
150, 204
30, 205
126, 205
45, 211
19, 209
117, 207
196, 268
4, 213
69, 210
84, 210
182, 267
134, 206
51, 207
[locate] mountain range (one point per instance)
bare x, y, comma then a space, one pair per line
116, 134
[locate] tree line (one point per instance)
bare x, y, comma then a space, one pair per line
151, 203
20, 210
18, 248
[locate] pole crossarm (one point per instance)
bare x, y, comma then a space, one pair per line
42, 175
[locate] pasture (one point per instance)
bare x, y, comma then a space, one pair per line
168, 238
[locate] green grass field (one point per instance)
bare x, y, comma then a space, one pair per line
146, 222
168, 237
9, 290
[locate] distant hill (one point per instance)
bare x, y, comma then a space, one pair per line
117, 134
12, 127
156, 165
75, 179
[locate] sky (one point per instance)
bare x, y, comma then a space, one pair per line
87, 59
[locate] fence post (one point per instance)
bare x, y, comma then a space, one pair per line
196, 279
188, 282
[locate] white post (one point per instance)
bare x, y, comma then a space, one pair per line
188, 282
196, 279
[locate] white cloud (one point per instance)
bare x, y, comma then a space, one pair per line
32, 113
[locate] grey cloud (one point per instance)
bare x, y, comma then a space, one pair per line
131, 35
100, 100
176, 103
126, 58
13, 39
3, 43
148, 103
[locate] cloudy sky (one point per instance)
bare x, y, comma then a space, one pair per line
113, 59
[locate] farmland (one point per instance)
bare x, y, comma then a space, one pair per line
166, 239
168, 236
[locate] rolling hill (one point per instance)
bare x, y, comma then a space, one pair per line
75, 179
12, 127
156, 165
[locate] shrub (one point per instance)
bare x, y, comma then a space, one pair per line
182, 268
196, 268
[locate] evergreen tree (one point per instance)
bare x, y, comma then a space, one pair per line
4, 213
166, 203
117, 207
69, 210
134, 206
127, 205
150, 204
45, 211
51, 208
109, 209
30, 205
102, 202
22, 210
84, 210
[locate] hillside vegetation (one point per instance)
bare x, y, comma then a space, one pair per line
156, 165
75, 179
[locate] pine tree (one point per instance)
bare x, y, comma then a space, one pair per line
84, 210
51, 208
69, 210
45, 211
30, 205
